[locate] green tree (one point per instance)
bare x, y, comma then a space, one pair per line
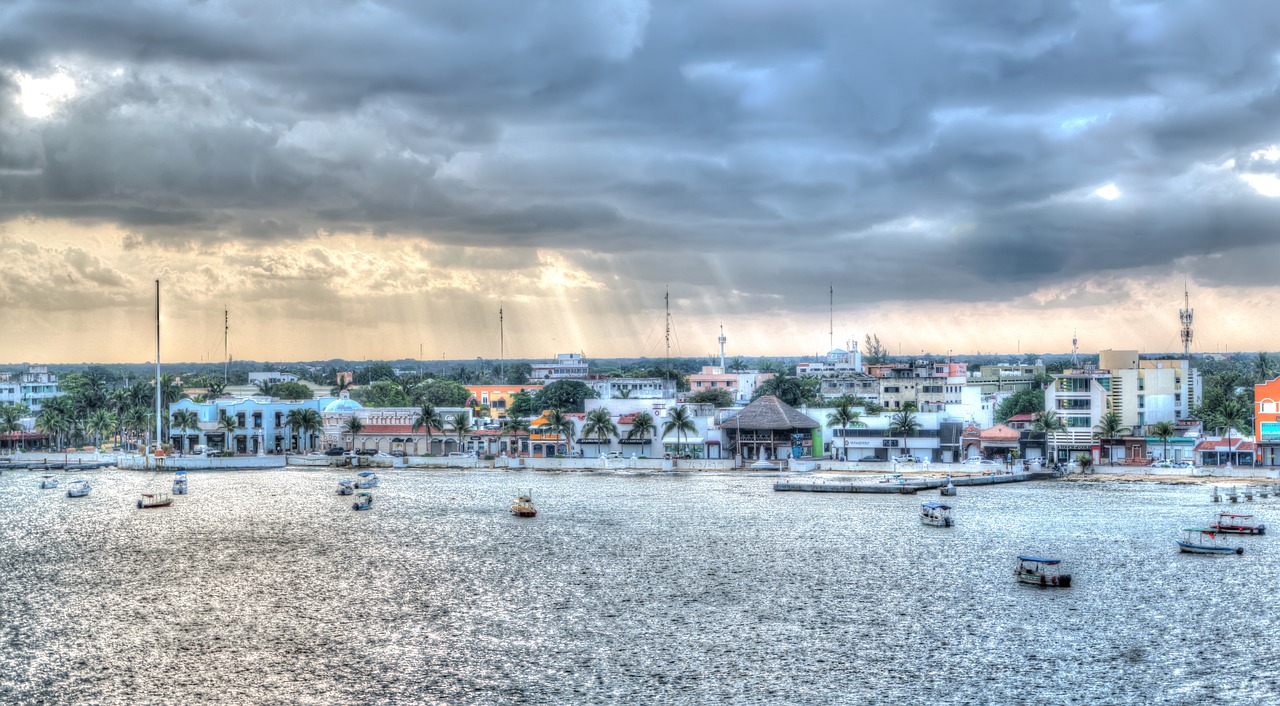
513, 426
563, 395
1264, 368
904, 424
427, 418
522, 405
1229, 416
54, 422
844, 416
1164, 431
680, 422
875, 353
372, 373
718, 396
461, 424
642, 426
100, 424
1027, 401
737, 365
353, 426
795, 391
227, 425
559, 423
293, 391
599, 425
10, 419
266, 388
1049, 424
910, 406
518, 373
382, 393
341, 386
441, 393
1108, 427
183, 420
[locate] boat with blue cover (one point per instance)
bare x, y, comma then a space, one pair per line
346, 487
78, 488
49, 482
1041, 571
364, 501
366, 480
936, 514
180, 483
1204, 540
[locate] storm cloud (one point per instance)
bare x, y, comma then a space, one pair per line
744, 153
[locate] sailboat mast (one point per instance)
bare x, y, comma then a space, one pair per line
158, 418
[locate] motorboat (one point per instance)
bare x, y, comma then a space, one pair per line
523, 506
936, 515
1230, 523
78, 488
180, 483
49, 482
345, 487
948, 490
1039, 571
1204, 540
154, 500
366, 480
364, 501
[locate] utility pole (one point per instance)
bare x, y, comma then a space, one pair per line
831, 309
226, 344
666, 298
158, 419
502, 346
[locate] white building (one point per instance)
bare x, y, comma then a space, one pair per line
31, 388
271, 378
1144, 392
566, 366
646, 388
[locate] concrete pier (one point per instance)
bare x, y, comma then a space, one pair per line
905, 486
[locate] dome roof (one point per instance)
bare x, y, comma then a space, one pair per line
343, 404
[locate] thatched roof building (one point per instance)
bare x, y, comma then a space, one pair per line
764, 428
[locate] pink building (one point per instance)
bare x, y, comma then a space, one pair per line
741, 384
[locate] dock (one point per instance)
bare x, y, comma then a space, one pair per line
901, 487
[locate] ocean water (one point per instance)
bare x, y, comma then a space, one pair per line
265, 587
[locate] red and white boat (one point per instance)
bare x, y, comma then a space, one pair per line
154, 500
1231, 523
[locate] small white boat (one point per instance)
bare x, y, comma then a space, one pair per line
154, 500
364, 501
936, 515
49, 482
366, 480
78, 488
346, 487
523, 506
1039, 571
1204, 540
1231, 523
948, 490
180, 483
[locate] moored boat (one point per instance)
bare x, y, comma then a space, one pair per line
364, 501
366, 480
1204, 540
78, 488
1230, 523
523, 506
154, 500
49, 482
180, 483
345, 487
936, 514
1039, 571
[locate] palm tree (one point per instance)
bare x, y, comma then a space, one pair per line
101, 423
599, 425
216, 389
293, 420
311, 424
426, 418
1163, 431
513, 426
461, 423
737, 364
844, 416
557, 422
904, 424
343, 384
227, 425
680, 421
353, 427
266, 388
1231, 415
1109, 427
1264, 368
1049, 423
642, 426
136, 420
52, 421
183, 420
10, 419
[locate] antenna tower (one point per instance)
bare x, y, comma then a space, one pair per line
1186, 314
502, 346
831, 310
1075, 359
226, 344
666, 298
722, 339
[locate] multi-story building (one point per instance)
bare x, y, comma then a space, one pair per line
1005, 377
1080, 398
498, 397
566, 366
647, 388
1266, 422
742, 384
271, 377
1144, 392
31, 388
838, 362
931, 386
259, 424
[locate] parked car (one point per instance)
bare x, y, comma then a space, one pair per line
1162, 464
981, 463
611, 454
906, 458
872, 457
1184, 464
399, 453
368, 452
335, 451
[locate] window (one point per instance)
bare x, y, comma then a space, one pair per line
891, 389
239, 418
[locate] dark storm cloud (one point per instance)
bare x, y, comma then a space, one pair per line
902, 150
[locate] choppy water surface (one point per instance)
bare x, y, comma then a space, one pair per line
264, 587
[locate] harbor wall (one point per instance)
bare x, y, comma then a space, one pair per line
199, 463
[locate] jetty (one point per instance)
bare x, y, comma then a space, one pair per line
905, 486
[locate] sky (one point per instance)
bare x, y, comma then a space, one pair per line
377, 179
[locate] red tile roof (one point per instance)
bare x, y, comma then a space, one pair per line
1024, 417
1220, 445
